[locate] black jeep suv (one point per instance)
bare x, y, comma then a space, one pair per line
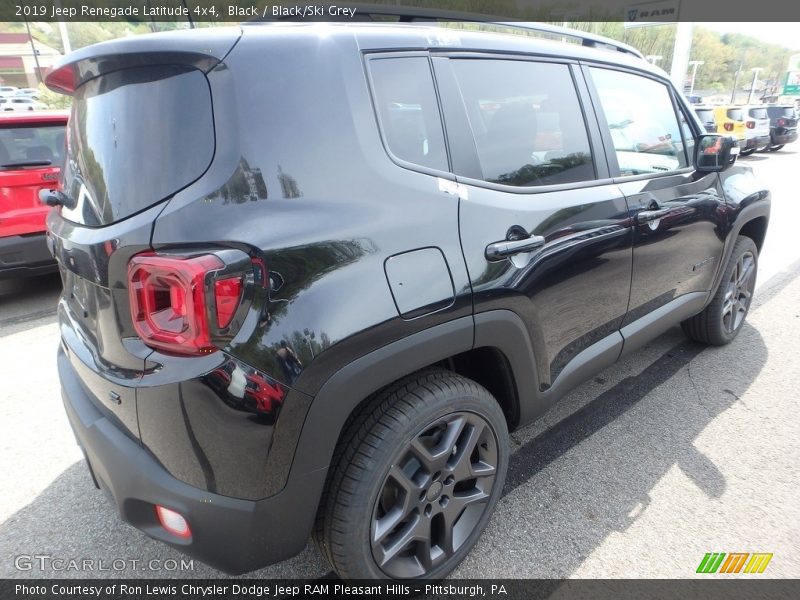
314, 273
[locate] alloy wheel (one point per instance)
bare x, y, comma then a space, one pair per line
434, 495
739, 292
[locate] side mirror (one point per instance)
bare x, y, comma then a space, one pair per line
715, 153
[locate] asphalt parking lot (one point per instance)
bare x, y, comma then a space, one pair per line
676, 451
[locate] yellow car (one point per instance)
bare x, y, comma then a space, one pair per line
730, 121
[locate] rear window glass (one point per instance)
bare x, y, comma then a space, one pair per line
735, 114
782, 111
21, 145
758, 113
408, 110
136, 136
705, 115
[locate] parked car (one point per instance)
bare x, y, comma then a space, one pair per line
730, 121
18, 104
757, 129
31, 154
7, 90
28, 93
706, 116
285, 205
782, 126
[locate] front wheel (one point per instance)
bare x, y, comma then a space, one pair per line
776, 148
721, 321
415, 479
747, 152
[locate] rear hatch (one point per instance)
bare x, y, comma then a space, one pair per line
783, 116
31, 155
757, 122
736, 115
141, 129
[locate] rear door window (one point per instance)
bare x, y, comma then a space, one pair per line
527, 121
136, 136
758, 113
408, 110
641, 118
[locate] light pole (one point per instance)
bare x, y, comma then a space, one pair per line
755, 71
695, 64
653, 58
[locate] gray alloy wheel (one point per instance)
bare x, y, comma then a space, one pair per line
720, 322
434, 495
414, 479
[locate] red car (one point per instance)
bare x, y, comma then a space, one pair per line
32, 150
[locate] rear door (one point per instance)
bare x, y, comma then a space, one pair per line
31, 155
678, 212
544, 231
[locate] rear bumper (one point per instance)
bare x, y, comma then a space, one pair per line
230, 534
758, 143
786, 136
25, 256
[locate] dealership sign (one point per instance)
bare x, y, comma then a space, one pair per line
651, 13
792, 85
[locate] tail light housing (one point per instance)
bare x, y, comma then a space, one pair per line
186, 305
781, 122
751, 124
728, 126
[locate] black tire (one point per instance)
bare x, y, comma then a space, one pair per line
747, 152
431, 414
721, 321
776, 148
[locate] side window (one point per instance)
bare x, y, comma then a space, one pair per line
640, 115
408, 110
527, 121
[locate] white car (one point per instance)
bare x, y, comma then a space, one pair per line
27, 93
16, 104
7, 90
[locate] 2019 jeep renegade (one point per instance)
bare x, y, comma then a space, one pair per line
314, 273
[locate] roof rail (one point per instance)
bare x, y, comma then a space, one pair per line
410, 14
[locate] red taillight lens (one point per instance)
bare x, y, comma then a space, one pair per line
781, 122
751, 124
168, 301
728, 126
227, 293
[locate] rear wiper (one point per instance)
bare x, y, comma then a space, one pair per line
26, 163
56, 198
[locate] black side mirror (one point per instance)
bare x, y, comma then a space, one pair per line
715, 153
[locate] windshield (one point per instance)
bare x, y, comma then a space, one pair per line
136, 136
23, 144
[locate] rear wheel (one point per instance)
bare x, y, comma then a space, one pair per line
747, 152
721, 321
776, 148
415, 479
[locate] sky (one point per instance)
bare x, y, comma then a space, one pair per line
786, 34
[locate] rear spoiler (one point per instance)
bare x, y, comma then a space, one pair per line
202, 49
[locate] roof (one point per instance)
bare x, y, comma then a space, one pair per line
414, 36
34, 117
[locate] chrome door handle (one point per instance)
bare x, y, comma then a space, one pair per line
650, 215
506, 248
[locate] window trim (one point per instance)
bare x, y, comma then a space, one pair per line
383, 55
457, 110
605, 132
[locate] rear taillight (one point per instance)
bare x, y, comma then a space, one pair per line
184, 304
728, 126
751, 124
227, 293
781, 122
